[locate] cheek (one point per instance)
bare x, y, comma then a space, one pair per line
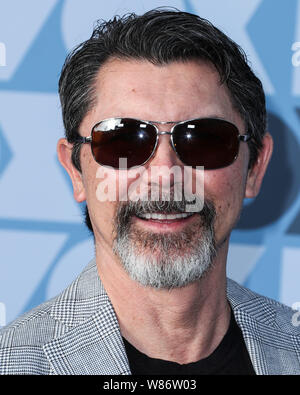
100, 197
226, 188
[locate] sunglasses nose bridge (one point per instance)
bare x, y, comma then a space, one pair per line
162, 133
167, 132
170, 133
164, 151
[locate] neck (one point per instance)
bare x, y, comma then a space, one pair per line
153, 320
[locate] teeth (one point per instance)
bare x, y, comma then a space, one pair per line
164, 216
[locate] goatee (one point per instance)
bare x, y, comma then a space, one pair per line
165, 260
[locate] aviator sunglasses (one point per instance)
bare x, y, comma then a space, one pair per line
209, 142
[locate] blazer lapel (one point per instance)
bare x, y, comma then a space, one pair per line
268, 336
94, 347
87, 339
272, 351
253, 342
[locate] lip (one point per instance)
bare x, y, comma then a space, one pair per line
165, 225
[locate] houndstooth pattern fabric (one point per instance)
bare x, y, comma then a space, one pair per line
77, 333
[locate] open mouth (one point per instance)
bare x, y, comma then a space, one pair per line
164, 217
159, 222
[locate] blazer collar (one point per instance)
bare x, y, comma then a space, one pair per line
271, 340
93, 348
91, 342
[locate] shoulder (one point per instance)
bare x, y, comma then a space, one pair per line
262, 310
271, 331
22, 341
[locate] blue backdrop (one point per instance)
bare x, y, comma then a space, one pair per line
44, 244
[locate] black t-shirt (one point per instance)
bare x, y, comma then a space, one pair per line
229, 358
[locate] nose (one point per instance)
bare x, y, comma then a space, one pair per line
164, 168
164, 154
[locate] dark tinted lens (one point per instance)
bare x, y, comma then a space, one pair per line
117, 138
212, 143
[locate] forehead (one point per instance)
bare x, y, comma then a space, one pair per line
172, 92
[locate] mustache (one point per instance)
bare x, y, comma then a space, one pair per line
129, 209
164, 204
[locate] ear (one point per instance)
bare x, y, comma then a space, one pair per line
257, 172
64, 152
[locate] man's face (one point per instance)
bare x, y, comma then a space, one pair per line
175, 92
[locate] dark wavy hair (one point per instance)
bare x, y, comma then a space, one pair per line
160, 36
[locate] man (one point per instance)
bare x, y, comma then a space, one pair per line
165, 91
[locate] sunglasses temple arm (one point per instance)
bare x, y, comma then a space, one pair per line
84, 140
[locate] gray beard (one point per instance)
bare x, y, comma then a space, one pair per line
165, 260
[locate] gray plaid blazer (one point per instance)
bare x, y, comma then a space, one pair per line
77, 333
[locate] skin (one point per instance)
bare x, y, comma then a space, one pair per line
198, 314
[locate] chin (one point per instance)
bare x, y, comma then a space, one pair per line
166, 266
